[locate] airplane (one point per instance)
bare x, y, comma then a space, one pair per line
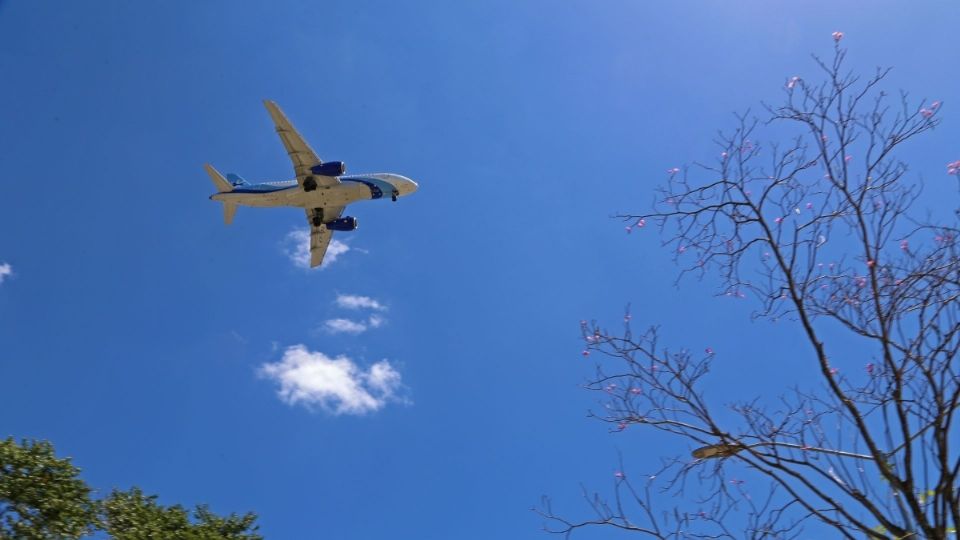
321, 189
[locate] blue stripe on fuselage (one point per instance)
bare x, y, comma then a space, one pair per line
377, 186
261, 188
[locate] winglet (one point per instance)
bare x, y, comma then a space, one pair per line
218, 180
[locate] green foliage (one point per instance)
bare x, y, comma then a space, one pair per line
131, 515
40, 495
42, 498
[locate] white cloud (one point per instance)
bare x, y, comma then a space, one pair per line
352, 301
376, 321
298, 249
5, 270
344, 326
335, 385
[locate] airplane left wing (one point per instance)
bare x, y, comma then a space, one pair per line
320, 235
319, 240
302, 156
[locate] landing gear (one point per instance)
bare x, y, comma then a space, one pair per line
394, 195
309, 184
316, 218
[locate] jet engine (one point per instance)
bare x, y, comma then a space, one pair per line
330, 168
348, 223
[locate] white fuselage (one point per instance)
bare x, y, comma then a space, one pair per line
351, 188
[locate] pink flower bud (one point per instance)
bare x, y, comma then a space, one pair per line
586, 352
904, 245
641, 223
708, 350
926, 113
871, 263
935, 105
618, 474
629, 229
837, 36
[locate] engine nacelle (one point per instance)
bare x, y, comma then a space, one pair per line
348, 223
330, 168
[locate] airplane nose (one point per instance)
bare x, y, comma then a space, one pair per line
404, 185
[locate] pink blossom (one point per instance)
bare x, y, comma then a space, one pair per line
629, 229
622, 426
935, 105
848, 158
673, 170
641, 223
708, 350
723, 155
926, 113
636, 391
681, 249
627, 317
809, 206
585, 352
834, 371
823, 138
793, 82
837, 36
778, 220
904, 245
870, 368
618, 474
871, 263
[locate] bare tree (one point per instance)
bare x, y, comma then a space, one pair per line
820, 230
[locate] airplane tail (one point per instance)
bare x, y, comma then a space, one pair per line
221, 183
223, 186
229, 209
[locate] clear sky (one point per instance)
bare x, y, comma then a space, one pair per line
149, 341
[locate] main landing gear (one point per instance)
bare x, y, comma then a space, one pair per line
394, 195
316, 218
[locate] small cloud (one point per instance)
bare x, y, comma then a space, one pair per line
335, 385
375, 321
344, 326
5, 270
352, 301
297, 248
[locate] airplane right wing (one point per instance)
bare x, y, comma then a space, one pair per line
302, 156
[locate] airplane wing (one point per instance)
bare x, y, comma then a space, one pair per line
320, 235
302, 156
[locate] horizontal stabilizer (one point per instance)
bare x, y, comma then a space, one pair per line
229, 209
218, 180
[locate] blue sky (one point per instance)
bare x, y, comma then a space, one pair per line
135, 327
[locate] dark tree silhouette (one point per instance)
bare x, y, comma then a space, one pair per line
820, 229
